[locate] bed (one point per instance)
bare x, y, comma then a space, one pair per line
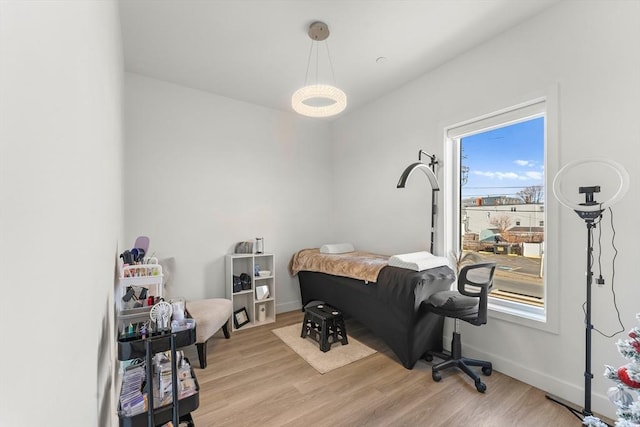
384, 298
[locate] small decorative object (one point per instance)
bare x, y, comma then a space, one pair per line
259, 245
627, 379
262, 313
245, 281
243, 248
256, 270
178, 306
240, 317
237, 284
462, 258
262, 292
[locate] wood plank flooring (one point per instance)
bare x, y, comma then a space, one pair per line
255, 379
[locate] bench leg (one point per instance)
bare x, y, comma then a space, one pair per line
225, 330
202, 354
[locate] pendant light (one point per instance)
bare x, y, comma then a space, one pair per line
318, 100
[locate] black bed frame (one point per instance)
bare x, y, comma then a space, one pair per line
389, 308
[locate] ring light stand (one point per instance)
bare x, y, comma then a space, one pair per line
589, 211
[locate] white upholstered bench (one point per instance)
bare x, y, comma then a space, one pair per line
210, 315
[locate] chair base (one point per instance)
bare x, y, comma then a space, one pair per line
456, 360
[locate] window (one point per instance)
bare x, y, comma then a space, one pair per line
499, 188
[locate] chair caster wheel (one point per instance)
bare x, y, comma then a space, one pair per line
480, 386
436, 376
428, 357
487, 371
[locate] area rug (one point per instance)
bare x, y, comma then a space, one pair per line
339, 355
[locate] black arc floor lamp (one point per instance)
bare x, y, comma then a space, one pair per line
589, 210
430, 171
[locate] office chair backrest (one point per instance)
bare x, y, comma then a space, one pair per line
476, 280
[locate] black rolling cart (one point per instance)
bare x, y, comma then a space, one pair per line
179, 410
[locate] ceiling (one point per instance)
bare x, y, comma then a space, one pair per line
257, 50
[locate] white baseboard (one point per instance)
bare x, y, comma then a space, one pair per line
284, 307
573, 393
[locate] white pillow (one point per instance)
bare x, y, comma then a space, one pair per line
337, 248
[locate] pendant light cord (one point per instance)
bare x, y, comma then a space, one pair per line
333, 76
306, 75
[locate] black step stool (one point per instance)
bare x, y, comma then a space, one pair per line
325, 325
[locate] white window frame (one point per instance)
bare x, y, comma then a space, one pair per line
544, 104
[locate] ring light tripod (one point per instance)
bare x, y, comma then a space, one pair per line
589, 211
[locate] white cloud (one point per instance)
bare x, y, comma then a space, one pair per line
508, 175
500, 175
523, 162
536, 175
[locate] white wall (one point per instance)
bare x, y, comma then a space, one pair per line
590, 50
203, 172
60, 209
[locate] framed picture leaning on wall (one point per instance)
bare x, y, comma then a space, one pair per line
240, 317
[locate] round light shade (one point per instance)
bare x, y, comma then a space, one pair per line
333, 101
592, 168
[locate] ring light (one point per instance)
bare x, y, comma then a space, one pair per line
623, 177
589, 211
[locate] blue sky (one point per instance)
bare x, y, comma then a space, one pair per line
503, 161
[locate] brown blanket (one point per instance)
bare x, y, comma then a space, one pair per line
356, 265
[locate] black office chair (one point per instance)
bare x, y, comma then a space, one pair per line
468, 303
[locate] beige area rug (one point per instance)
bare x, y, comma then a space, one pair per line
339, 355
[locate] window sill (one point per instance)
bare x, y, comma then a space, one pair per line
521, 314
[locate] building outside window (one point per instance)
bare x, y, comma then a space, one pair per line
499, 195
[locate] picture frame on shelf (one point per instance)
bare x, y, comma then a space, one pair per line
240, 317
262, 292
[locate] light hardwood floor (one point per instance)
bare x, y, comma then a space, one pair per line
254, 379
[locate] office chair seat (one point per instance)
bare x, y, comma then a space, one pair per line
467, 303
455, 305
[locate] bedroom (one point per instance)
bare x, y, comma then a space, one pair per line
297, 182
